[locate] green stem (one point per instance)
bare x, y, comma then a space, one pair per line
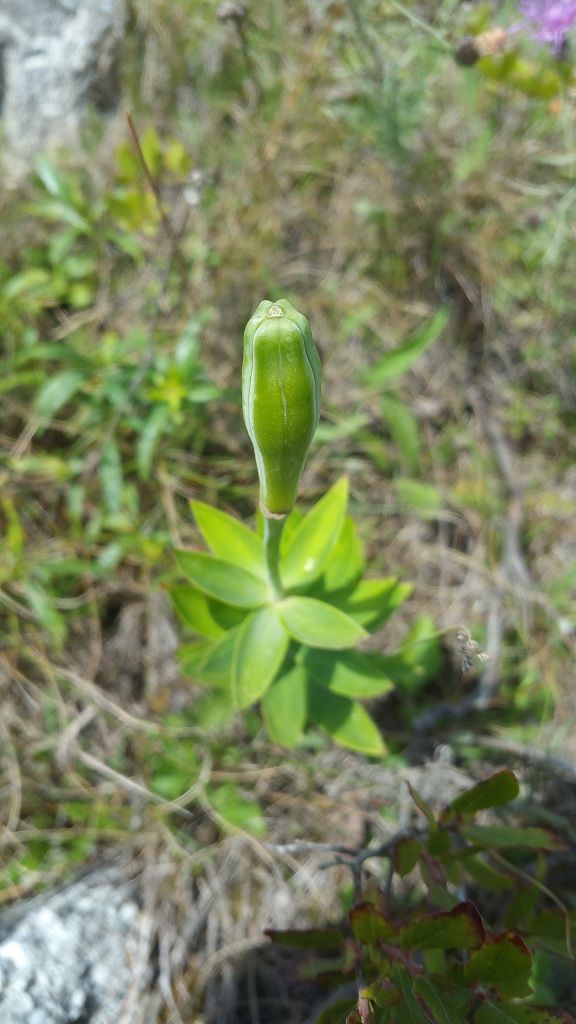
272, 536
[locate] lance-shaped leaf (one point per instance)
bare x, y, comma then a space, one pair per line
509, 835
444, 1009
484, 874
503, 964
230, 539
313, 540
259, 650
345, 721
409, 1010
459, 928
372, 602
317, 624
497, 789
209, 664
222, 580
350, 673
285, 706
401, 358
345, 563
206, 616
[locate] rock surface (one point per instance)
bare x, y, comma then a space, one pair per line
77, 955
56, 59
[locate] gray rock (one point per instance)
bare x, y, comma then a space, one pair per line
79, 954
56, 59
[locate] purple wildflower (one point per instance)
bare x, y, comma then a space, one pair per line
551, 20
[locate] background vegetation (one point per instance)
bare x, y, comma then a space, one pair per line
335, 154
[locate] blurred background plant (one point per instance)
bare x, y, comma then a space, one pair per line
420, 212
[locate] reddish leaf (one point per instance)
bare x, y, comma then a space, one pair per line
405, 855
503, 964
459, 928
506, 1013
370, 925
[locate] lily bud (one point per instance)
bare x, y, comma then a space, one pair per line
280, 400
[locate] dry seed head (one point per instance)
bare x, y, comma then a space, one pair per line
469, 649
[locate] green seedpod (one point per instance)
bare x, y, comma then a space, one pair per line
280, 400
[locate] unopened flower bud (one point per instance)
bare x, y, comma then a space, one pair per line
280, 400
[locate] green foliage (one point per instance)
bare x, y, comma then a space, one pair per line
102, 396
296, 651
438, 961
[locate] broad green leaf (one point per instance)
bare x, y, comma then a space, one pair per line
459, 928
345, 721
370, 925
313, 540
499, 1013
503, 965
229, 539
209, 664
509, 835
306, 938
350, 673
444, 1009
438, 843
405, 855
416, 496
404, 429
400, 359
372, 602
345, 563
259, 650
56, 392
203, 614
317, 624
497, 789
285, 706
236, 809
521, 906
222, 580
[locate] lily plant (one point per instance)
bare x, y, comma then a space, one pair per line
282, 614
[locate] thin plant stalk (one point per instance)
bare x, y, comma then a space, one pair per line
272, 536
